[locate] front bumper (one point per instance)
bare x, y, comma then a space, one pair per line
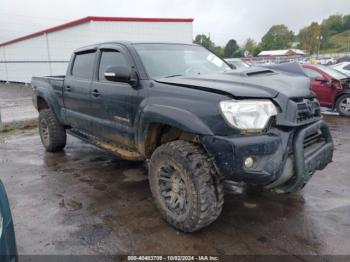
284, 160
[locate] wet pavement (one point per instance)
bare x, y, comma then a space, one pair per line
87, 201
16, 103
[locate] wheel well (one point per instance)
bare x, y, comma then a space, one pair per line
42, 104
159, 134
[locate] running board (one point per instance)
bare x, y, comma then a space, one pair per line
114, 148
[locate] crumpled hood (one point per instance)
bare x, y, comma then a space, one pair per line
255, 82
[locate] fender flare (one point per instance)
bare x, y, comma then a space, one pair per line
168, 115
50, 100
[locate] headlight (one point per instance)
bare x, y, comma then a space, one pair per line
248, 115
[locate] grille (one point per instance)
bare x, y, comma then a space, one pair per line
313, 142
307, 109
314, 138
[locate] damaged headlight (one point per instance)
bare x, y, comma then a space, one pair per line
248, 115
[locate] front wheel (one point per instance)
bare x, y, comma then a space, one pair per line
52, 133
186, 189
343, 105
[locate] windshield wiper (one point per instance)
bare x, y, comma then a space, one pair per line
173, 76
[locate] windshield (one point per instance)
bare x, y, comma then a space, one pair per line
170, 60
332, 72
237, 63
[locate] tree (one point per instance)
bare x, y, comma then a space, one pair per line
333, 24
330, 26
250, 46
239, 53
277, 37
346, 22
206, 42
310, 37
230, 48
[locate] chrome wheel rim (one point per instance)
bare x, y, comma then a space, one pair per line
173, 189
44, 130
345, 105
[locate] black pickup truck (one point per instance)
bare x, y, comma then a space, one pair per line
199, 123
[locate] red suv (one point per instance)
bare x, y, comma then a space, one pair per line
331, 87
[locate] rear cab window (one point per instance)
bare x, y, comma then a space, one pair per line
83, 65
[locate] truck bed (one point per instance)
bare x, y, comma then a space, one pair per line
49, 86
55, 82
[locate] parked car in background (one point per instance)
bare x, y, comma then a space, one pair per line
343, 67
343, 59
326, 61
305, 60
8, 249
237, 63
331, 87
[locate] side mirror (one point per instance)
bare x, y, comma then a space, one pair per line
122, 74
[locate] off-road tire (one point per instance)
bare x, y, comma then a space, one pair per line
53, 135
203, 186
338, 103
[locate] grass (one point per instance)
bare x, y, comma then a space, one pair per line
339, 42
23, 125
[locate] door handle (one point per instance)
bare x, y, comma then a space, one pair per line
68, 88
95, 93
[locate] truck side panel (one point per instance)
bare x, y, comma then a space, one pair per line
50, 89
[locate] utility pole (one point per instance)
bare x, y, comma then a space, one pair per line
319, 39
349, 44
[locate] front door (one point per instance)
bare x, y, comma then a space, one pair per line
322, 87
114, 104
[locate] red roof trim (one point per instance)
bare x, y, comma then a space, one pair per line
97, 18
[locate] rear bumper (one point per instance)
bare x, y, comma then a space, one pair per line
283, 160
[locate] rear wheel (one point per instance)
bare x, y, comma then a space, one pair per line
52, 133
343, 105
185, 186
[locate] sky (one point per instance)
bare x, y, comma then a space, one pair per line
222, 19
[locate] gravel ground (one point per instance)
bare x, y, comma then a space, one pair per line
87, 201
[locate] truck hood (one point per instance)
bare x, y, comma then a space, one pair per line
253, 83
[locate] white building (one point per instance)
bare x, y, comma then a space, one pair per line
283, 52
47, 52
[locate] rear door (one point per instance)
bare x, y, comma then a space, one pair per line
323, 89
76, 91
114, 104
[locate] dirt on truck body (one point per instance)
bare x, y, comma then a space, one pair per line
198, 122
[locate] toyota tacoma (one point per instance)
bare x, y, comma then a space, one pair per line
199, 123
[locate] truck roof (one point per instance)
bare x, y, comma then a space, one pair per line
126, 43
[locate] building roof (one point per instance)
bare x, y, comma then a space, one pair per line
281, 52
97, 18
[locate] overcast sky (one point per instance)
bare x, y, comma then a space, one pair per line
223, 19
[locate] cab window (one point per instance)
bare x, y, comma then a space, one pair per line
312, 74
83, 65
110, 58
